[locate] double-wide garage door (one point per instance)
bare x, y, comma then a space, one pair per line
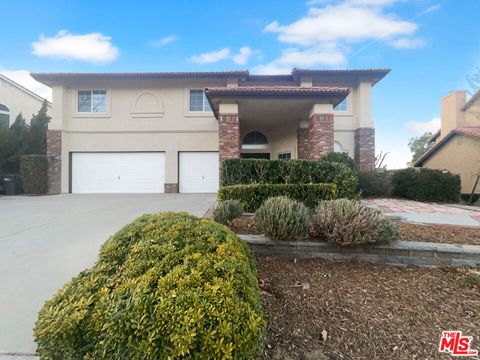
125, 172
142, 172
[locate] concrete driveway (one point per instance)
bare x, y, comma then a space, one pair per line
46, 240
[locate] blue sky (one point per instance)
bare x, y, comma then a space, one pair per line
430, 45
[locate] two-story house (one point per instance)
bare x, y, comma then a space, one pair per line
169, 132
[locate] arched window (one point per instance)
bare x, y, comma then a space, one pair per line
4, 116
337, 147
255, 140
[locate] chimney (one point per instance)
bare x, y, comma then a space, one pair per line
452, 115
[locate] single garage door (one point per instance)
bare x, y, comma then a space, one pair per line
125, 172
198, 172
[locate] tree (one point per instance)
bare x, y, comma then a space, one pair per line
38, 131
19, 140
419, 146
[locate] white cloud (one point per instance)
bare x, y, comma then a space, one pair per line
94, 48
242, 57
163, 41
23, 78
407, 43
422, 127
211, 57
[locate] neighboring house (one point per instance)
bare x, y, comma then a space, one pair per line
169, 132
457, 144
15, 99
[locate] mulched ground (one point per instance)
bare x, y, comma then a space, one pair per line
366, 311
447, 234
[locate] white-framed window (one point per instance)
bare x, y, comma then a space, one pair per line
343, 106
198, 101
285, 156
92, 101
337, 147
4, 116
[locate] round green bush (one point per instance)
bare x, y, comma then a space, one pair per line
282, 218
166, 286
346, 222
227, 210
340, 157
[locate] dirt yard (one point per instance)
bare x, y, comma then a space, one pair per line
346, 310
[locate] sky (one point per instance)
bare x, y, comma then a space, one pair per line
432, 46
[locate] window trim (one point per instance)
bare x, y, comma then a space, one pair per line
204, 100
77, 114
284, 153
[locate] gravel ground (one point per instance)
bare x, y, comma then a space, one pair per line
347, 310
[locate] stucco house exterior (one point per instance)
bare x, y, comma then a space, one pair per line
457, 143
16, 99
169, 132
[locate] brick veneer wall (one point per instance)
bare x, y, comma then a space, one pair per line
171, 188
54, 154
229, 137
320, 135
303, 144
365, 148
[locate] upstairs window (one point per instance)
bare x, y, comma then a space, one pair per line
198, 101
92, 101
343, 106
4, 116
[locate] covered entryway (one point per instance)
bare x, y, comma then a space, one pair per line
118, 172
198, 172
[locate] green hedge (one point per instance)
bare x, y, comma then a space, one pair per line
340, 157
34, 173
375, 183
426, 185
252, 196
166, 286
259, 171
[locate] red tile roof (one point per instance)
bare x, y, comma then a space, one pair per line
277, 91
473, 131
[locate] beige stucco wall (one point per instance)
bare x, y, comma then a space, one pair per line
18, 101
153, 115
460, 155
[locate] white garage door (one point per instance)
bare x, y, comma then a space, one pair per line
198, 172
126, 172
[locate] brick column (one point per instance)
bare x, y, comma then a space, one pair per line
54, 155
365, 148
320, 135
229, 137
303, 144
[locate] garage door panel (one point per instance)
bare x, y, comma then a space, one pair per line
118, 172
198, 172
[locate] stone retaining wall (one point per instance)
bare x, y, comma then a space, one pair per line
397, 253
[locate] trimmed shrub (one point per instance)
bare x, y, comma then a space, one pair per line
282, 218
426, 185
251, 197
259, 171
166, 286
350, 223
375, 183
227, 210
340, 157
34, 173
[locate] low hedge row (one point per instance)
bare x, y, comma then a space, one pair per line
426, 185
34, 173
259, 171
166, 286
251, 197
375, 183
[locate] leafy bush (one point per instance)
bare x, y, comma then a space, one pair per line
340, 157
168, 285
227, 210
34, 173
426, 185
251, 197
350, 223
375, 183
259, 171
282, 218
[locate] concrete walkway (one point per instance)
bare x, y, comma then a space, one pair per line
45, 240
427, 213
